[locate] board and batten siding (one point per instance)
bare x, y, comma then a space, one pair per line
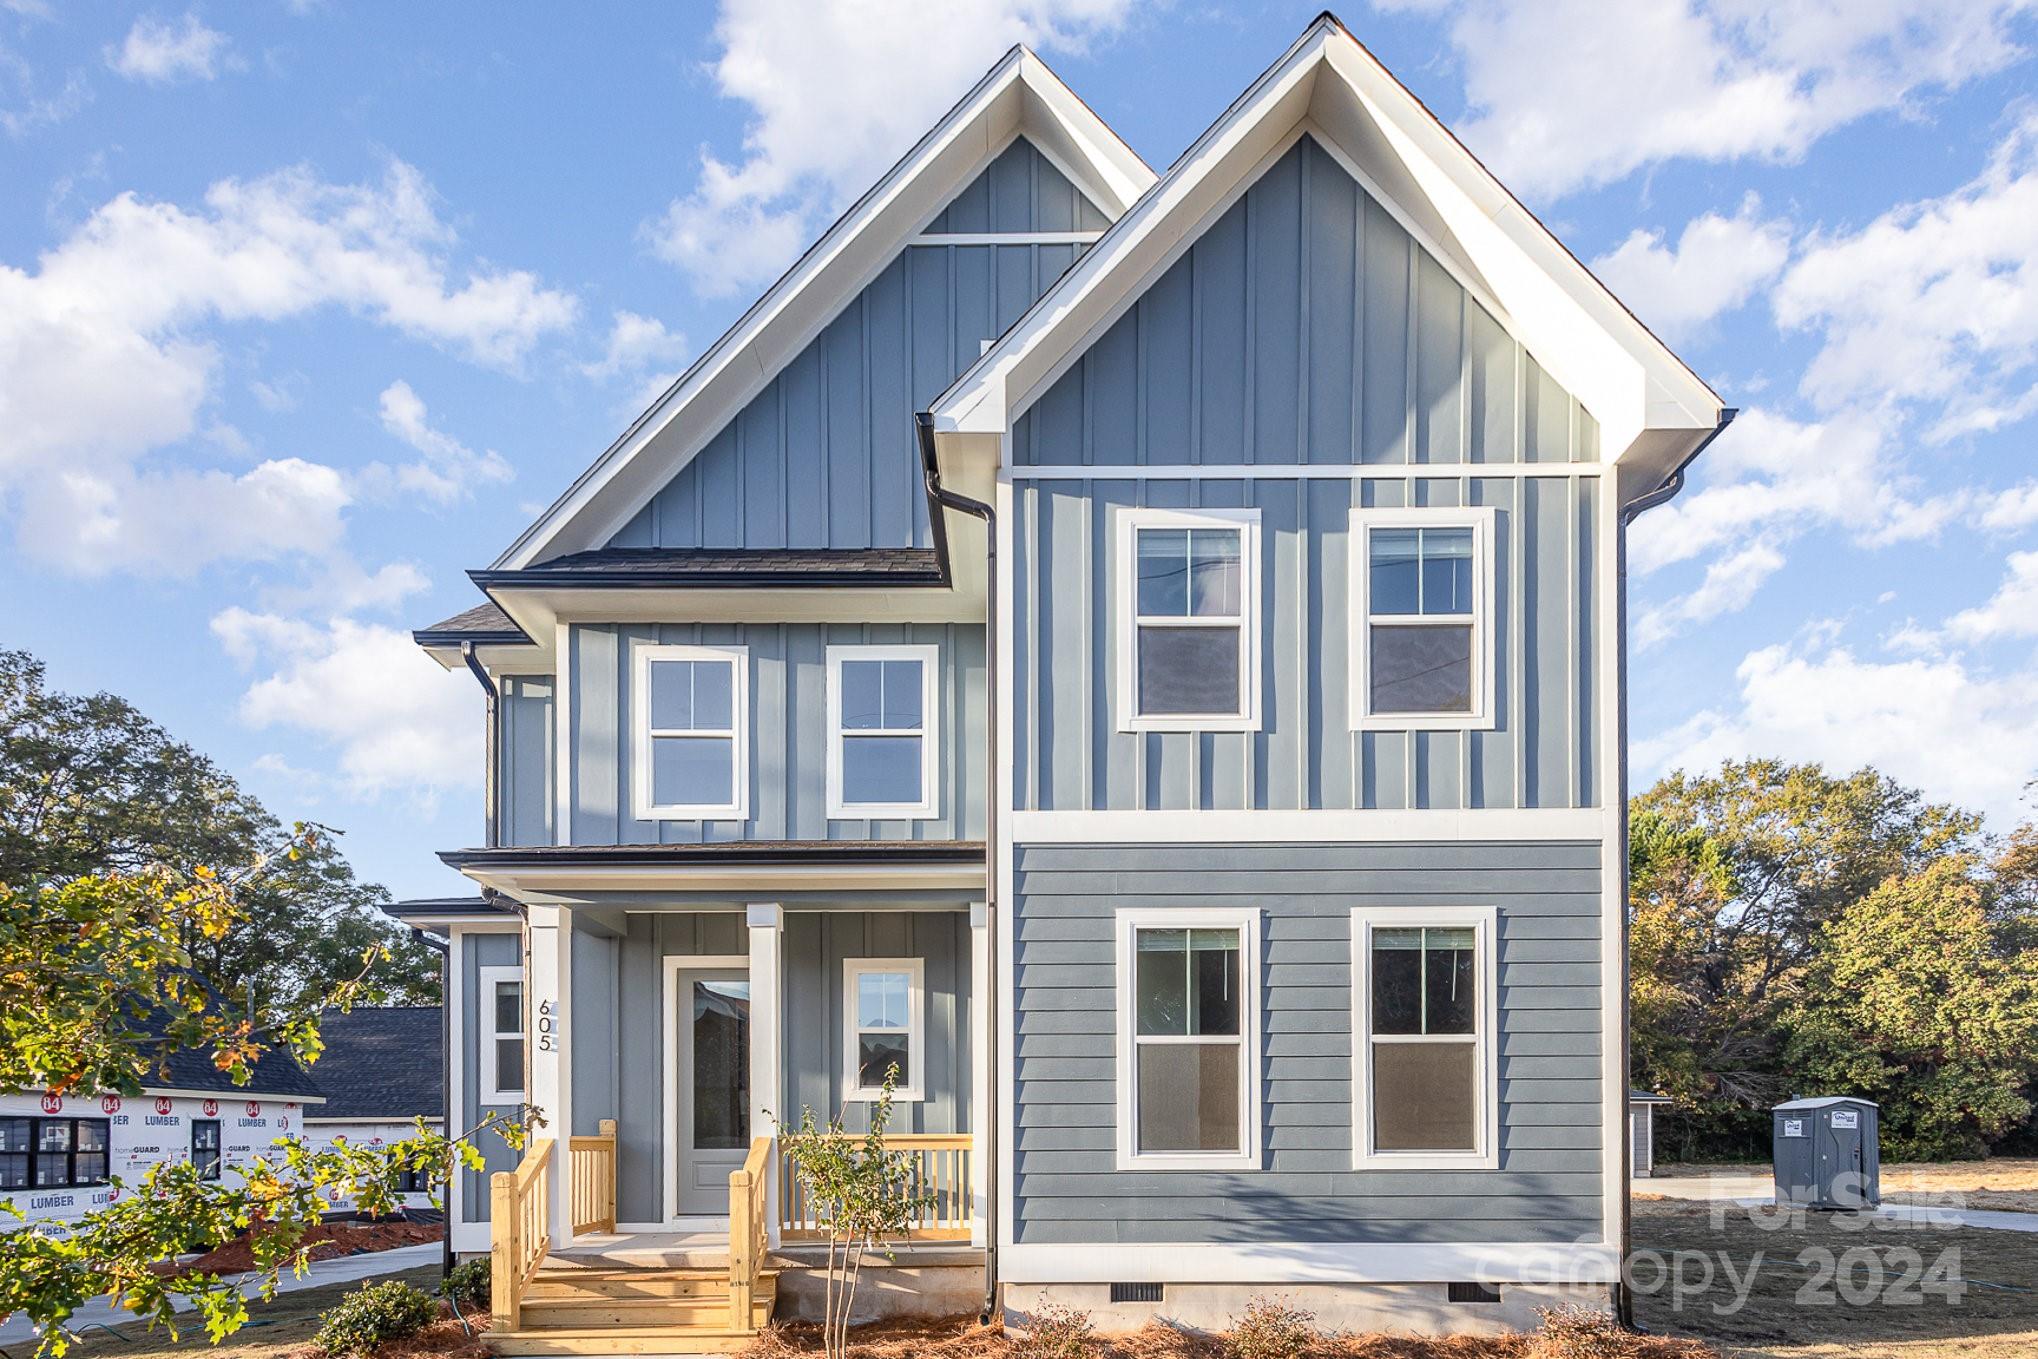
1543, 750
1065, 1184
629, 1030
524, 796
479, 950
788, 732
825, 455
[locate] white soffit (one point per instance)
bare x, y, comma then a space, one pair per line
1328, 84
1019, 95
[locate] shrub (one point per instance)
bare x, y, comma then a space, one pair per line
1272, 1328
372, 1315
468, 1284
1058, 1331
1581, 1333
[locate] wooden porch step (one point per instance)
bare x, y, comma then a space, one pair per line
580, 1314
570, 1284
622, 1340
584, 1310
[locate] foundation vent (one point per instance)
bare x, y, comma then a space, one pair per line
1141, 1292
1473, 1292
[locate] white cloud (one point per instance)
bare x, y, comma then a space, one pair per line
1936, 723
2010, 510
830, 110
449, 469
2012, 611
636, 343
1570, 93
107, 356
1730, 583
161, 53
1715, 267
394, 719
1934, 301
24, 103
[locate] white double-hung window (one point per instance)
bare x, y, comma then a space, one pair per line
1422, 647
1423, 1071
691, 712
1188, 598
883, 724
1188, 1039
501, 1024
885, 1027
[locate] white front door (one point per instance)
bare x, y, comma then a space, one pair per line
711, 1048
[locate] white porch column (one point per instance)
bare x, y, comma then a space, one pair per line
548, 1040
767, 1066
982, 986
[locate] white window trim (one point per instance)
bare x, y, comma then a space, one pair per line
1485, 1153
1129, 520
486, 979
641, 657
1247, 922
913, 1086
1479, 519
929, 805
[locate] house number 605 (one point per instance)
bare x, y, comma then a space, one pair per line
548, 1025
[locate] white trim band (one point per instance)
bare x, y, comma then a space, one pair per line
1311, 1262
1307, 827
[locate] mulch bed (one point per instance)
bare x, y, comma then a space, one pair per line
328, 1240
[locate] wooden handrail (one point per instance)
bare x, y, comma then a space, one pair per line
593, 1170
746, 1231
520, 1231
941, 1169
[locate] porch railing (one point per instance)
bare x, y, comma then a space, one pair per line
519, 1207
593, 1168
746, 1231
940, 1169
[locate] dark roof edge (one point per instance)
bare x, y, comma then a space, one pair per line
433, 907
757, 852
749, 579
452, 637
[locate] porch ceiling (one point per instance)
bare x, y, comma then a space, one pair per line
936, 873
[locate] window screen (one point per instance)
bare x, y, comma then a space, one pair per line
693, 733
1189, 609
1420, 603
1188, 1041
1424, 1018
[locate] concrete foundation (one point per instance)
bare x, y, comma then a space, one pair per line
920, 1283
1393, 1309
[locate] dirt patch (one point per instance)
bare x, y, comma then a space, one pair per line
1761, 1283
962, 1338
328, 1241
1997, 1175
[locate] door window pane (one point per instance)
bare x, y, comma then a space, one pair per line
1188, 1097
1424, 1096
693, 771
721, 1064
1189, 671
882, 770
1421, 669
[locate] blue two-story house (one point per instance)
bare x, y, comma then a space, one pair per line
1139, 655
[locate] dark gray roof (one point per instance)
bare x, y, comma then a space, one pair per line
723, 852
431, 908
385, 1062
275, 1075
1648, 1097
629, 567
484, 625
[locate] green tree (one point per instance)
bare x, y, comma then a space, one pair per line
89, 785
1921, 999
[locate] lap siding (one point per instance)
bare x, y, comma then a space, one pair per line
1066, 1185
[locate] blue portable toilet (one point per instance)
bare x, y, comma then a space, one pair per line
1826, 1153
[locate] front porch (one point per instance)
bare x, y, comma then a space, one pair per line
672, 1042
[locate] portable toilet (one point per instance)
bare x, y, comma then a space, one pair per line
1826, 1153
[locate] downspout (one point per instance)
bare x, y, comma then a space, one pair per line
444, 948
489, 761
1624, 1300
944, 499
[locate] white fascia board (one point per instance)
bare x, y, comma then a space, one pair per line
1632, 384
1018, 95
567, 885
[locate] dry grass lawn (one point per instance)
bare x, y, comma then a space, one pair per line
1830, 1284
281, 1329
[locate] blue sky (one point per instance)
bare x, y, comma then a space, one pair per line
305, 308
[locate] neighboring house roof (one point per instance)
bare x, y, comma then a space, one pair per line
1648, 1097
612, 567
1654, 413
275, 1075
1823, 1101
1018, 95
483, 625
419, 909
382, 1063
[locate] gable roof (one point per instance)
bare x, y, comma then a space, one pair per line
382, 1063
1019, 95
1653, 411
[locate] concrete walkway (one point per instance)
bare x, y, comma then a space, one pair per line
345, 1269
1759, 1191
